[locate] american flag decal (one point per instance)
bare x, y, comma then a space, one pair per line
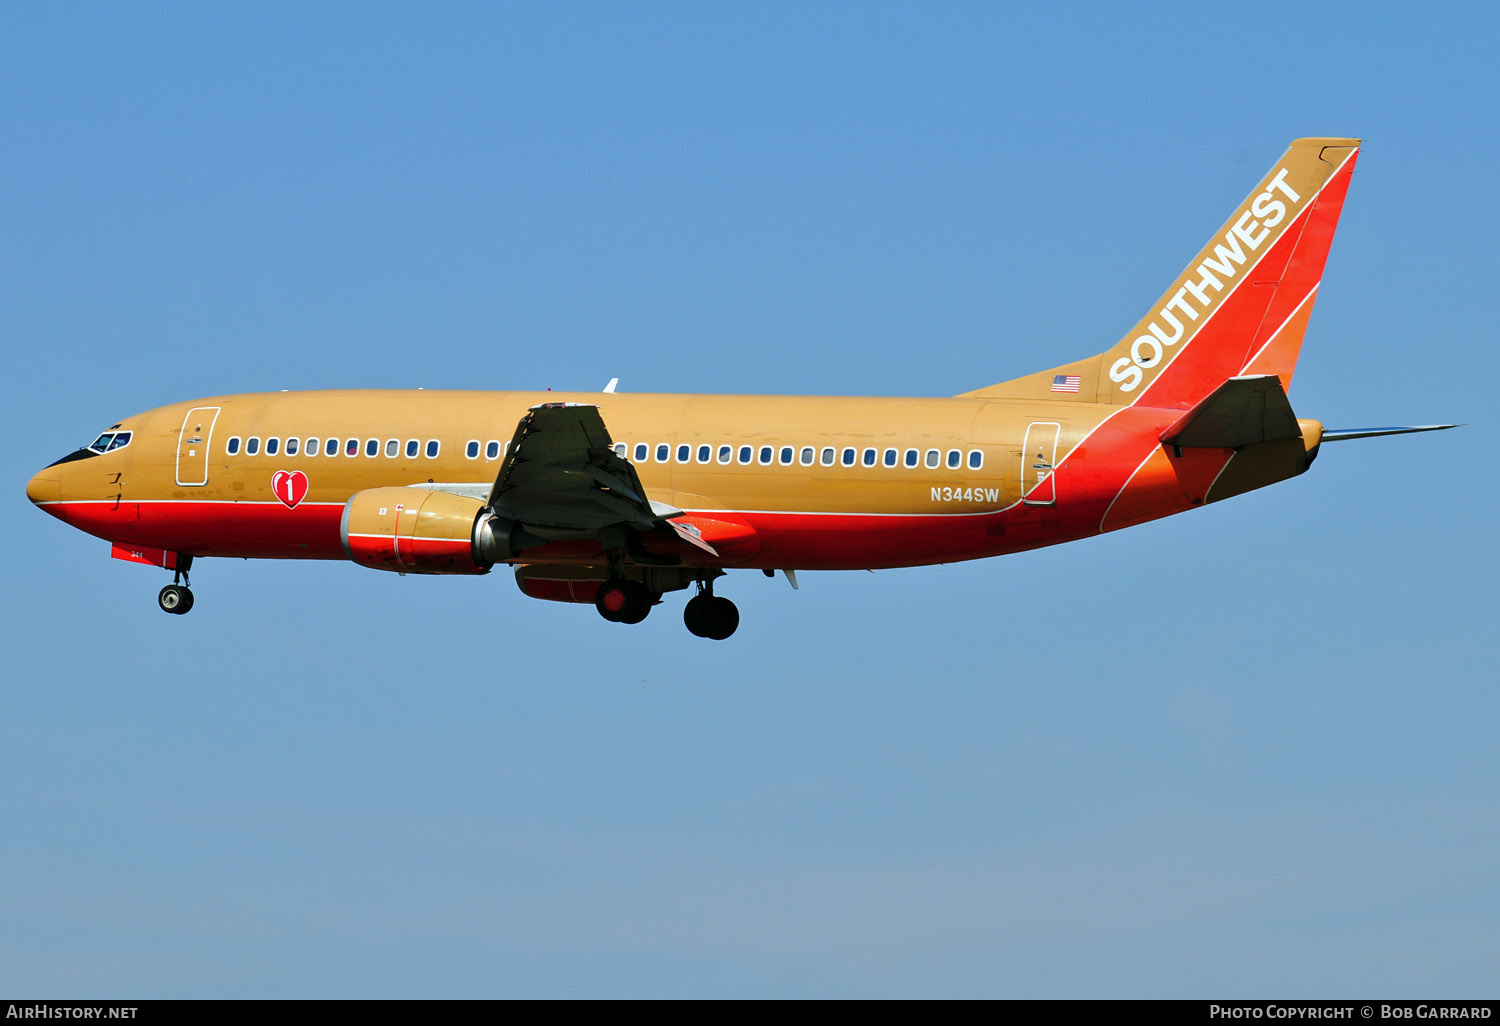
1066, 382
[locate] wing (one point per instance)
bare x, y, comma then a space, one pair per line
561, 478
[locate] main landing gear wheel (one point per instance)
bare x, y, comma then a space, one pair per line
175, 598
621, 601
709, 616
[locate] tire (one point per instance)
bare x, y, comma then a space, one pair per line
173, 599
623, 601
611, 600
725, 619
697, 615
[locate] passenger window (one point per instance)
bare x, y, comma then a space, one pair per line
620, 449
745, 453
787, 453
827, 459
471, 451
432, 449
372, 447
491, 450
392, 448
911, 457
351, 447
272, 445
704, 453
684, 454
311, 448
933, 457
331, 447
954, 459
412, 448
849, 455
663, 452
232, 447
890, 457
976, 459
252, 446
869, 457
807, 456
291, 446
726, 454
641, 451
766, 453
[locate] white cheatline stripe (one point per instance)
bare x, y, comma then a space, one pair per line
1124, 486
1220, 474
1306, 212
177, 502
691, 512
1210, 489
1277, 333
838, 513
1211, 315
392, 537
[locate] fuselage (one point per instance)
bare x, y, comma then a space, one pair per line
814, 482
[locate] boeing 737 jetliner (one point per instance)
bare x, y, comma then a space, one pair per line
619, 499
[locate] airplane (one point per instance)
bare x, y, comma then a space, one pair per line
619, 499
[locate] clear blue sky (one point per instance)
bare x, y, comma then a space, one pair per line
1246, 751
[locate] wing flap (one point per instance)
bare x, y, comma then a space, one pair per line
561, 479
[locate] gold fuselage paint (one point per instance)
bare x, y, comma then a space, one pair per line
153, 467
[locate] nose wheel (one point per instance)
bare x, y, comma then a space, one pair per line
177, 598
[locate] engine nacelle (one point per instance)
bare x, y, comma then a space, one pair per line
565, 582
413, 531
560, 583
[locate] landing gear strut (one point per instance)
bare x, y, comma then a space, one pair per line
177, 598
709, 616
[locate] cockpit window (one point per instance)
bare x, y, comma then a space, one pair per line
110, 441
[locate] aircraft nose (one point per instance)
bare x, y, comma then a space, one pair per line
46, 486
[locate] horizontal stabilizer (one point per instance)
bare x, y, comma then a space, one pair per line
1348, 433
1242, 411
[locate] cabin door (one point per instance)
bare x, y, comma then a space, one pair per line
192, 445
1038, 456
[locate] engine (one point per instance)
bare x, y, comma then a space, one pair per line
560, 583
422, 531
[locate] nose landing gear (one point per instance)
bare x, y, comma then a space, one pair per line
177, 598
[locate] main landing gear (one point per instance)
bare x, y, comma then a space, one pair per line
177, 598
622, 600
709, 616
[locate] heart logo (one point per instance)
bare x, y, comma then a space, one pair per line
290, 487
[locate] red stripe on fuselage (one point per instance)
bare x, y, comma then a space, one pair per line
1220, 349
802, 540
242, 529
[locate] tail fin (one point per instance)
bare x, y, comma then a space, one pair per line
1240, 308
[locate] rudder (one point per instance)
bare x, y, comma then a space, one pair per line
1242, 304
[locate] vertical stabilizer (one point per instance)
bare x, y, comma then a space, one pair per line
1240, 307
